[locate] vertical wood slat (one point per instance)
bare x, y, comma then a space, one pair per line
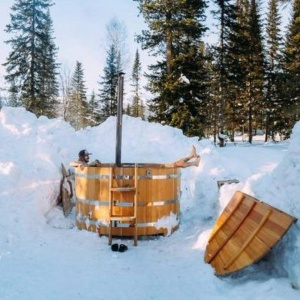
135, 203
110, 206
251, 237
238, 225
241, 197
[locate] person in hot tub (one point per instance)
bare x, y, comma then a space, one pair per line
83, 160
84, 156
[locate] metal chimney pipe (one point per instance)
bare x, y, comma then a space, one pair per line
119, 119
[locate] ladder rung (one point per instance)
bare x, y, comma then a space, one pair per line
132, 217
122, 218
123, 189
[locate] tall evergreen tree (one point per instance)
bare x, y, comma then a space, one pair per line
31, 67
212, 108
94, 111
109, 85
128, 110
256, 69
274, 105
292, 67
77, 112
48, 84
175, 37
226, 14
250, 65
237, 63
137, 109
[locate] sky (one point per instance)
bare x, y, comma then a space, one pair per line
43, 255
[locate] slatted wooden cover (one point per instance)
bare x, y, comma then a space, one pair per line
66, 192
158, 197
245, 231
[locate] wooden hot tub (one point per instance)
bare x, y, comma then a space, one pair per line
106, 190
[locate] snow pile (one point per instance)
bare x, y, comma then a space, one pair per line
35, 237
281, 189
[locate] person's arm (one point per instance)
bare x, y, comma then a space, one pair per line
95, 163
74, 164
77, 164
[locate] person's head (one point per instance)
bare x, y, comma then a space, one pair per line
84, 155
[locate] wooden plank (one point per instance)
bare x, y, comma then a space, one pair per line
238, 197
237, 226
66, 191
251, 237
122, 218
123, 189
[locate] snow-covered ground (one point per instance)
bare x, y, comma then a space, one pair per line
44, 256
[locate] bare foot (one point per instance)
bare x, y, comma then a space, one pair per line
197, 161
193, 153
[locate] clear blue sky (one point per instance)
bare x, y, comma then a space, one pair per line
80, 32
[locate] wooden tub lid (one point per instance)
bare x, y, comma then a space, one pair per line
245, 231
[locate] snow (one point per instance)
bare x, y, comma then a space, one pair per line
44, 256
183, 79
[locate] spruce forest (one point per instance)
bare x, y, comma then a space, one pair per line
247, 81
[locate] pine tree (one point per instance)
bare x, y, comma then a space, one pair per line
237, 63
94, 111
136, 108
274, 71
128, 110
175, 37
256, 70
212, 111
48, 84
249, 66
77, 111
109, 85
227, 17
13, 99
292, 68
31, 67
